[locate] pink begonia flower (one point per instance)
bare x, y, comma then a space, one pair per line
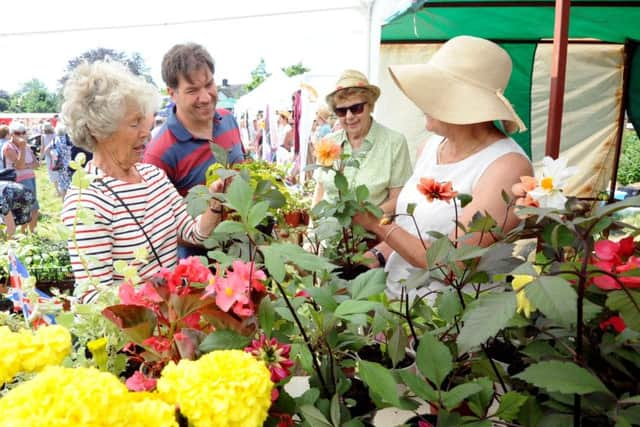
145, 296
423, 423
138, 382
242, 271
230, 291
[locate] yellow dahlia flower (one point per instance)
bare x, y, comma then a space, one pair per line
524, 305
224, 388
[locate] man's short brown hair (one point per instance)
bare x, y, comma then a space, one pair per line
182, 60
4, 131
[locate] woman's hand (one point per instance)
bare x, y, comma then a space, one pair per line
367, 220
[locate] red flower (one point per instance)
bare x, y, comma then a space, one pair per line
436, 190
423, 423
159, 344
285, 420
302, 294
138, 382
274, 354
616, 258
615, 322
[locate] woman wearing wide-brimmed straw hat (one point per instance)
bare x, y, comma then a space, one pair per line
384, 163
460, 92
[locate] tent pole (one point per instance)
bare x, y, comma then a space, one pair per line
558, 74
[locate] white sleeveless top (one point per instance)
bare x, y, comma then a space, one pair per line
438, 215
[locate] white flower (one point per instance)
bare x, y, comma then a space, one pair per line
554, 174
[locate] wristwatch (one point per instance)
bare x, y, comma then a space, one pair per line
379, 256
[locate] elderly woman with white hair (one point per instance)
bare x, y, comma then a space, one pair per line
109, 112
460, 93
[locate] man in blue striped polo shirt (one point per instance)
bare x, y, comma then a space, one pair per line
181, 147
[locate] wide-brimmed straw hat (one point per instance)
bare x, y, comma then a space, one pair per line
462, 83
353, 78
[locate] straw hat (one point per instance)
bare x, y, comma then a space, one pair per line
285, 114
353, 78
462, 83
324, 113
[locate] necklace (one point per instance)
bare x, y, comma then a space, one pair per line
459, 157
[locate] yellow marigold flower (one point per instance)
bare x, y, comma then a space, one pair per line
81, 397
524, 305
327, 151
9, 354
224, 388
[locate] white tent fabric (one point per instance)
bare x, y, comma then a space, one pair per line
591, 107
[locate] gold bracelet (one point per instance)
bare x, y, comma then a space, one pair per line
391, 230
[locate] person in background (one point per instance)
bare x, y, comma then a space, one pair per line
324, 123
182, 149
50, 153
63, 146
16, 154
158, 121
4, 137
284, 140
468, 150
16, 204
383, 153
109, 112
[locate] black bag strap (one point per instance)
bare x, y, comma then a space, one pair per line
155, 254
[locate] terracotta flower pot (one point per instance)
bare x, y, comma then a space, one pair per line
292, 218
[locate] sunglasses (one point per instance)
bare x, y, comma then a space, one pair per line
19, 133
355, 109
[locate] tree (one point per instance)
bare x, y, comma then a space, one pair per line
5, 100
34, 97
295, 69
258, 75
134, 62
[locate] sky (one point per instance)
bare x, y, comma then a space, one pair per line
38, 38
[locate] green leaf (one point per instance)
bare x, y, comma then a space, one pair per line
224, 259
485, 318
350, 307
324, 297
619, 301
257, 213
314, 417
197, 200
368, 284
397, 345
439, 251
335, 409
629, 400
434, 359
452, 398
530, 412
223, 340
411, 207
239, 197
420, 387
563, 377
266, 316
465, 199
274, 262
510, 405
554, 297
379, 380
448, 304
362, 193
341, 183
136, 321
465, 252
220, 154
229, 227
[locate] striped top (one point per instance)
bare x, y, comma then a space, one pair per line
114, 235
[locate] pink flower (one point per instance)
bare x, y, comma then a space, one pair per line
303, 294
244, 271
159, 344
229, 291
146, 296
615, 322
138, 382
189, 270
192, 320
274, 354
423, 423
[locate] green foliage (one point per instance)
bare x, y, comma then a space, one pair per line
134, 61
258, 75
33, 97
563, 377
628, 170
295, 69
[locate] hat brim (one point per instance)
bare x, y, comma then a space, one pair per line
450, 99
371, 88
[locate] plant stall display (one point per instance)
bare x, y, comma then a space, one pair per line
540, 328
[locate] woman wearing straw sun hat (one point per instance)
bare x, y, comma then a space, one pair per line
460, 90
383, 155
